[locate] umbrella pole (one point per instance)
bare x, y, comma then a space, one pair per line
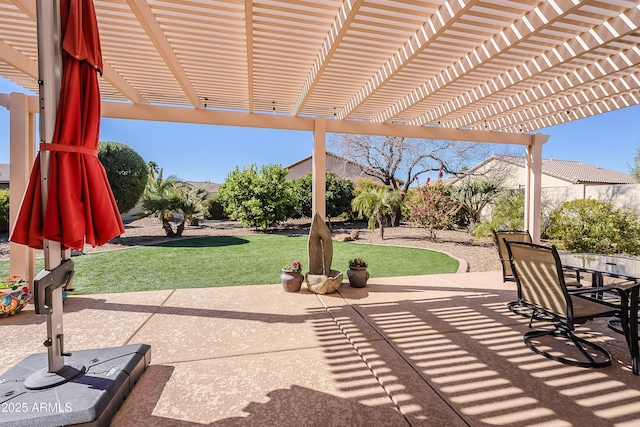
50, 75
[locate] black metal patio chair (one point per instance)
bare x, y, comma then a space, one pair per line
539, 274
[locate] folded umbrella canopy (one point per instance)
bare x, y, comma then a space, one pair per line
80, 202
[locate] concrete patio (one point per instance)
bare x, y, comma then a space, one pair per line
439, 350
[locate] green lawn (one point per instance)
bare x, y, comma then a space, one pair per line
232, 261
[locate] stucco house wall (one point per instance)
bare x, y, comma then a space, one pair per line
336, 164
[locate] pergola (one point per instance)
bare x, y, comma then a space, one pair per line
490, 71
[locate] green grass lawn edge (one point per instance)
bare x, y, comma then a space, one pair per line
233, 261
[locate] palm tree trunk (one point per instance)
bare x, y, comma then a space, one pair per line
168, 230
380, 217
180, 229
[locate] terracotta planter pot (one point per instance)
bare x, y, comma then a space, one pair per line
358, 276
291, 280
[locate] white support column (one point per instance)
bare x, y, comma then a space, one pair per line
533, 187
319, 168
22, 260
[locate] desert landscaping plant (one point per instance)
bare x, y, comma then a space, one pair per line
258, 198
126, 171
338, 192
168, 199
375, 204
589, 225
434, 209
506, 214
4, 211
475, 194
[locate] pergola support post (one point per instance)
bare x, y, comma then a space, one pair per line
22, 260
533, 186
319, 168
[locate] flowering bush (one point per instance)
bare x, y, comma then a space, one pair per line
434, 210
12, 281
357, 262
294, 266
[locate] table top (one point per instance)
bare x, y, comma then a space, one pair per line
615, 266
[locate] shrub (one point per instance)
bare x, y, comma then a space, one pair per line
475, 194
258, 198
590, 225
4, 211
126, 171
214, 209
434, 210
339, 193
507, 214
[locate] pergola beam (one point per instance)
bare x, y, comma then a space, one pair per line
270, 121
152, 27
30, 66
430, 30
598, 37
248, 17
512, 36
19, 60
341, 24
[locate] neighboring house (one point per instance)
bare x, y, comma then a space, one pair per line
564, 180
555, 173
339, 165
4, 176
209, 187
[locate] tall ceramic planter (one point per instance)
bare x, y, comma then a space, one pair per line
358, 276
291, 280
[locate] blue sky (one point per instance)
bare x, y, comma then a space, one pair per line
209, 153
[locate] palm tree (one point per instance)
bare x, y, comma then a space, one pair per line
475, 194
191, 204
376, 204
153, 169
160, 199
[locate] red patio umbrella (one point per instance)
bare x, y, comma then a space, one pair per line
80, 202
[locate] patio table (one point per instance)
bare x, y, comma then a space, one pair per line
619, 267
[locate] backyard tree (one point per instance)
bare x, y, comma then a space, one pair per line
475, 193
162, 197
376, 203
126, 171
397, 162
258, 197
635, 168
433, 208
507, 213
339, 193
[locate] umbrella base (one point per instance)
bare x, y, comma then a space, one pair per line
89, 399
44, 379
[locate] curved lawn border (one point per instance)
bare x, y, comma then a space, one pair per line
463, 265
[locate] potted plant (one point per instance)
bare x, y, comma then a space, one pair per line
291, 277
14, 295
358, 274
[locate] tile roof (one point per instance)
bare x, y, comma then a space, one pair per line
4, 172
209, 187
573, 171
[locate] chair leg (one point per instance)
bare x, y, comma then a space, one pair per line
521, 310
585, 347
